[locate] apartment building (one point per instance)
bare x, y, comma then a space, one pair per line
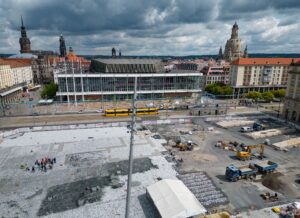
216, 73
291, 109
15, 74
5, 76
259, 74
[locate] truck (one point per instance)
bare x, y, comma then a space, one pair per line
265, 167
234, 173
258, 126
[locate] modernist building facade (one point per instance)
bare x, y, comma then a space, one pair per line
259, 74
291, 109
113, 79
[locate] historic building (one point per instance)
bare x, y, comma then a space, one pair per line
259, 74
113, 79
220, 55
42, 70
218, 72
24, 41
62, 46
233, 47
291, 109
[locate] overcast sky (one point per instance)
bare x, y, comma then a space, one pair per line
151, 27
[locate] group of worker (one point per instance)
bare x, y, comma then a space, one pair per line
43, 164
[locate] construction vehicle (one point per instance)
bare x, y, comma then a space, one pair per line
227, 146
245, 152
215, 215
184, 146
234, 173
266, 167
258, 126
269, 197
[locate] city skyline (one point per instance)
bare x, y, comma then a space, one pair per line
151, 28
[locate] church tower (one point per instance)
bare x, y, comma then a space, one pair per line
246, 52
24, 41
220, 55
62, 46
233, 47
113, 53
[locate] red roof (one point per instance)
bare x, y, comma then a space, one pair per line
15, 62
264, 61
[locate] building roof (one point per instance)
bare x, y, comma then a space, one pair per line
15, 62
128, 61
295, 63
264, 61
173, 199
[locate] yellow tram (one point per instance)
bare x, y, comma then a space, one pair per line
119, 112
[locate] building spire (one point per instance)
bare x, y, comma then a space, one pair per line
24, 41
62, 46
246, 52
113, 52
220, 55
22, 24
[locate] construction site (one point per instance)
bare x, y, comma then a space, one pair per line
233, 166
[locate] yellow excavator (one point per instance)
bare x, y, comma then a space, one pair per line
246, 152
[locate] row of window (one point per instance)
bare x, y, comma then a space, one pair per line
127, 84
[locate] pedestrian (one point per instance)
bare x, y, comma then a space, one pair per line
36, 162
33, 169
54, 160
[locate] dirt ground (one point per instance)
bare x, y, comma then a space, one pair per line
206, 157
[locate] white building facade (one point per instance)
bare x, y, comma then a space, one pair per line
259, 74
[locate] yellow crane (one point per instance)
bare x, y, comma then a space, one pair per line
246, 152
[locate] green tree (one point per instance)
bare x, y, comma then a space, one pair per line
268, 96
227, 90
49, 91
219, 89
279, 93
254, 95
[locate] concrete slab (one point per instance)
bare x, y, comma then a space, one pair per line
286, 144
90, 171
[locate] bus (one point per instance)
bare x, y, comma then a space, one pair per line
118, 112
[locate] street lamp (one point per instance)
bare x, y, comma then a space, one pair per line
130, 162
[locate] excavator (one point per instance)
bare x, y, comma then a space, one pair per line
246, 152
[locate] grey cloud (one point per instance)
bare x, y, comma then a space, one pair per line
174, 27
242, 9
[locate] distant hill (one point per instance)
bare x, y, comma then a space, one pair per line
189, 57
5, 55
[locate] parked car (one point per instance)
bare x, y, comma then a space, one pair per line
246, 129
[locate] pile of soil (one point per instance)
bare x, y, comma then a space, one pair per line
272, 181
